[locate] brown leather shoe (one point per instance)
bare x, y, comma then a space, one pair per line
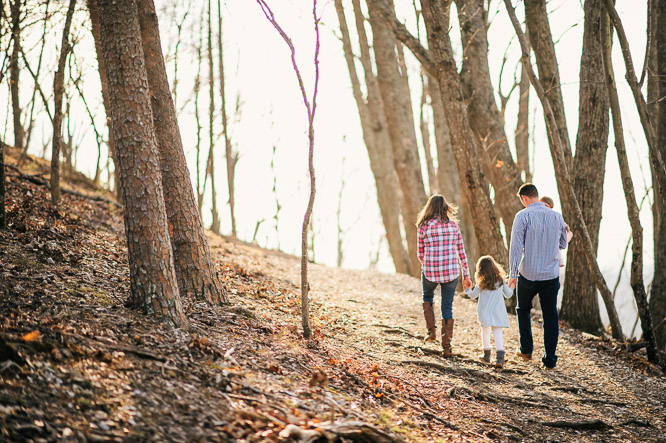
429, 315
526, 357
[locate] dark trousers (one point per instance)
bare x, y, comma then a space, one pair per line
547, 290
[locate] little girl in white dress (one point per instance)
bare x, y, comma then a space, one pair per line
491, 290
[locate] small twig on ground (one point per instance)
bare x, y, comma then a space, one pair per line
506, 425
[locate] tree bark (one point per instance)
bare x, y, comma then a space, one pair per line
93, 10
153, 282
58, 92
375, 136
3, 213
463, 142
580, 306
522, 133
541, 41
14, 74
656, 92
195, 270
210, 164
564, 179
632, 207
484, 117
397, 109
439, 62
230, 156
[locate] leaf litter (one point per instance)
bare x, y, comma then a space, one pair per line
76, 365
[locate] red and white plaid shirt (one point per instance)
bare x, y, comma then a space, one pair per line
440, 248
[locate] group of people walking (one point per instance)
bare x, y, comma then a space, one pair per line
537, 236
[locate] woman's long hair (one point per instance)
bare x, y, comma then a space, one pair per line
437, 207
489, 273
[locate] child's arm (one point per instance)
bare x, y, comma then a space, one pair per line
508, 292
473, 293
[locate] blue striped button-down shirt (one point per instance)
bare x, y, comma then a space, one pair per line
537, 235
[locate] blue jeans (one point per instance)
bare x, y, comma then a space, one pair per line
447, 289
547, 290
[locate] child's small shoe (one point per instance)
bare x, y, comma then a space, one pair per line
500, 359
486, 356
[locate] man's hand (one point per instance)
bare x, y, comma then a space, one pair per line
467, 283
512, 283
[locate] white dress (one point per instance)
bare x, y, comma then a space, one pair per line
491, 308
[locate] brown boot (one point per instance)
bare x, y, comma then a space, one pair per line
429, 314
447, 333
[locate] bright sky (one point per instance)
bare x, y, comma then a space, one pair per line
271, 114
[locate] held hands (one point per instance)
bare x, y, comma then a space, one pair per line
512, 283
467, 283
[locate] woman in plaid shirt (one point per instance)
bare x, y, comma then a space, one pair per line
441, 252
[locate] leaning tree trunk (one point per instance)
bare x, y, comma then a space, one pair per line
195, 269
397, 109
93, 9
375, 136
14, 73
153, 281
580, 305
656, 91
439, 62
484, 117
463, 142
522, 133
564, 179
541, 41
447, 171
634, 213
58, 92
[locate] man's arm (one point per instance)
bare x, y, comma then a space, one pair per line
564, 240
517, 244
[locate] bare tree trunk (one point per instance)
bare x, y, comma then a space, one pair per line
210, 164
195, 270
522, 133
153, 281
14, 74
58, 92
201, 188
375, 135
634, 214
656, 92
564, 179
424, 126
311, 106
660, 167
484, 117
463, 142
439, 62
580, 306
230, 155
93, 10
397, 109
541, 41
447, 171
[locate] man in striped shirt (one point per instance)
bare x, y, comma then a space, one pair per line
537, 236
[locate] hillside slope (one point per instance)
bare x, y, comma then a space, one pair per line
76, 365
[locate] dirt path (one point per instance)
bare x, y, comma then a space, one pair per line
592, 394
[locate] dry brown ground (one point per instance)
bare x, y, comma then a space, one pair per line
79, 366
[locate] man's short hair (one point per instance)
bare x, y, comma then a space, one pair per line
528, 190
